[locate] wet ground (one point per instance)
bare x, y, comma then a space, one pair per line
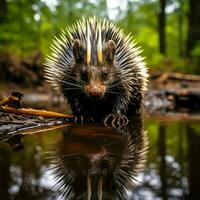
93, 161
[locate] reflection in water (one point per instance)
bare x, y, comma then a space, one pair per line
162, 155
175, 146
15, 142
96, 162
194, 163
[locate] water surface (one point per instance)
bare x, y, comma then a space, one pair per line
30, 166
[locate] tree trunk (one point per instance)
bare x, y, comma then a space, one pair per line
180, 28
162, 22
3, 11
193, 25
194, 162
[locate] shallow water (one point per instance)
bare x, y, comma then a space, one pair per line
79, 161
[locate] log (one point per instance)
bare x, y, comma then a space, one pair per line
160, 77
183, 92
14, 119
173, 116
13, 105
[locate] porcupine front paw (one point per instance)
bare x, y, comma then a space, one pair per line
116, 120
83, 118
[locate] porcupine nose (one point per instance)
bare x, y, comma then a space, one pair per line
95, 92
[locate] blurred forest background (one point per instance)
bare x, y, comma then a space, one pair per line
167, 30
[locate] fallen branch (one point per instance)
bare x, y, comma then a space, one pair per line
13, 105
34, 112
175, 116
15, 119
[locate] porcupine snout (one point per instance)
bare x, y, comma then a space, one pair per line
95, 90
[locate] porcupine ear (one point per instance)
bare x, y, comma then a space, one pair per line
111, 49
78, 51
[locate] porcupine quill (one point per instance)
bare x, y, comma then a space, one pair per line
98, 69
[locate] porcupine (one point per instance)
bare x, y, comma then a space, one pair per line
98, 69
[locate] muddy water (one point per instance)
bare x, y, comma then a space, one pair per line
96, 162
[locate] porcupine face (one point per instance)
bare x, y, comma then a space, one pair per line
95, 77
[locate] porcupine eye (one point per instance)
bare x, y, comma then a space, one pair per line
105, 75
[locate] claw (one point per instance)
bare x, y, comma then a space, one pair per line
107, 118
115, 120
125, 120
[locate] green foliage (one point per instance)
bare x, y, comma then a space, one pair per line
175, 137
196, 55
30, 25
